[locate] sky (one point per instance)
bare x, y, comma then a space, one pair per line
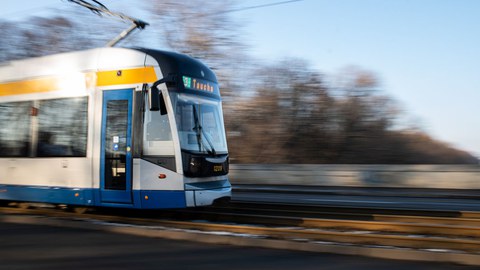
426, 53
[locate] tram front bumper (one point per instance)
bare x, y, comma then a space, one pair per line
206, 197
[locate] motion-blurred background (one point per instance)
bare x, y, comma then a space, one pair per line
386, 100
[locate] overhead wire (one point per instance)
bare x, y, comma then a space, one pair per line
258, 6
100, 9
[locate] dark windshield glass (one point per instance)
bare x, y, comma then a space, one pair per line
200, 125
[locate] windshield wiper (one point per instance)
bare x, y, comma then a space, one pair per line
199, 130
205, 135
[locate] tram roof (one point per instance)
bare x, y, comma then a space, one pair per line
103, 59
176, 63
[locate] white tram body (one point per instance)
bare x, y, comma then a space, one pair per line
87, 128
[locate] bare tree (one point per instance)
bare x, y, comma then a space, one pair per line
205, 30
75, 29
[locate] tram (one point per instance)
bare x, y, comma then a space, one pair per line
112, 127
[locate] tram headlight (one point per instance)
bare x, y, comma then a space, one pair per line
195, 164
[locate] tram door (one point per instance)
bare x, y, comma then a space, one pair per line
116, 154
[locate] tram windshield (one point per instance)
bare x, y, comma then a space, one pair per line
200, 124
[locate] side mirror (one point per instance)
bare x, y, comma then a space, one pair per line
155, 97
163, 107
156, 101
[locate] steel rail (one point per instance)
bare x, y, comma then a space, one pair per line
350, 212
397, 224
358, 191
461, 221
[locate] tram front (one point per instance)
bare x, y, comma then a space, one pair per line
190, 92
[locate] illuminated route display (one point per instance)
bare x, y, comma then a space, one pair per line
200, 85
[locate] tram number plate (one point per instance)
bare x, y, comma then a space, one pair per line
218, 168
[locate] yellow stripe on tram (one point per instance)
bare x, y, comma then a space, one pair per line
126, 76
103, 78
29, 86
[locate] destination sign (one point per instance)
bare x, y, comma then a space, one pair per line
199, 84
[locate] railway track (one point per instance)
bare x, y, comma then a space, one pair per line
441, 230
437, 193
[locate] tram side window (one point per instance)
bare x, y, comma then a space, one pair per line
157, 135
14, 133
62, 127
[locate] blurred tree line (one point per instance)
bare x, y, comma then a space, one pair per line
282, 112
